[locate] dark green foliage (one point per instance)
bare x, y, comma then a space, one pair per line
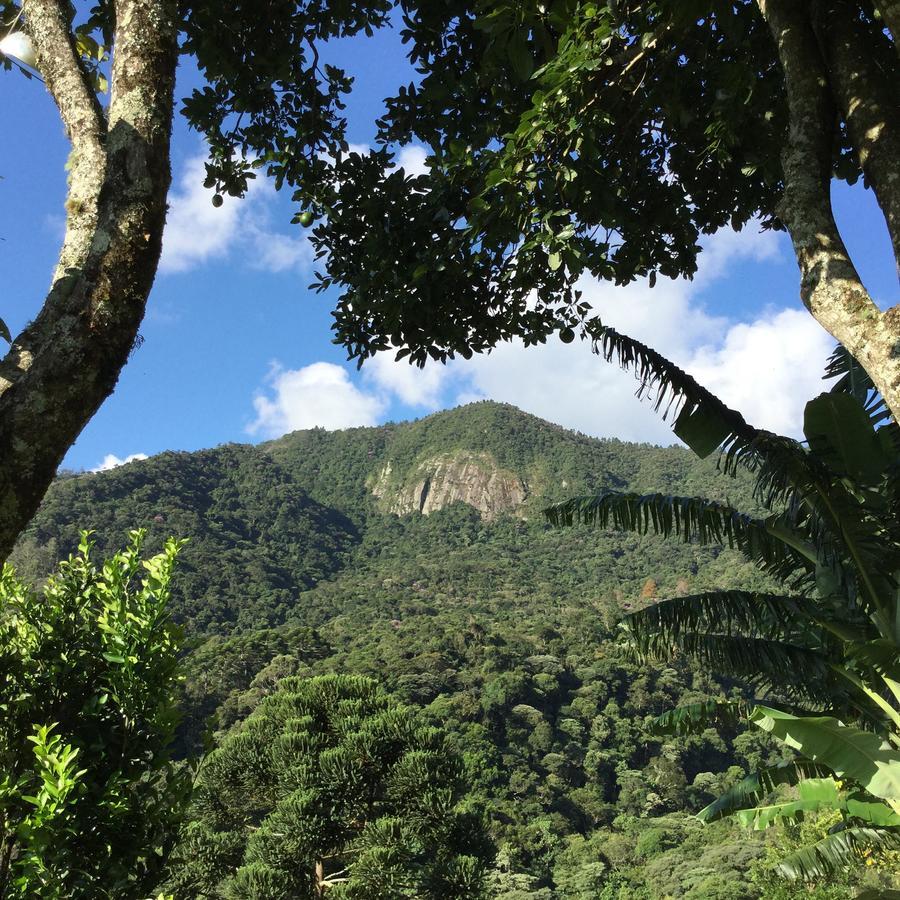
257, 538
332, 785
503, 631
227, 677
89, 799
273, 528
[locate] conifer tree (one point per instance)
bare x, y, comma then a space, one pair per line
332, 788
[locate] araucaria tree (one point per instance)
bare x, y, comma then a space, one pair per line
565, 137
89, 798
331, 789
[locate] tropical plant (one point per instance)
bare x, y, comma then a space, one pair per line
331, 786
823, 656
88, 669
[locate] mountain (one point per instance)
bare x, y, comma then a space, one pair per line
277, 531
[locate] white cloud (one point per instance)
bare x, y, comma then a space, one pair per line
767, 368
319, 395
278, 252
111, 461
412, 159
198, 232
752, 366
726, 247
195, 230
566, 384
410, 384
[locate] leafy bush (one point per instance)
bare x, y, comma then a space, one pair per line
88, 796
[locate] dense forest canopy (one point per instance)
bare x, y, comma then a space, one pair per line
499, 630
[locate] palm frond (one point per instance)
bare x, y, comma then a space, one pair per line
752, 789
691, 518
854, 380
702, 420
693, 718
787, 476
749, 613
836, 851
801, 674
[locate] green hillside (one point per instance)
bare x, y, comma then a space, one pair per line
501, 629
292, 529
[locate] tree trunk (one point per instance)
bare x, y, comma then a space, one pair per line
864, 75
67, 361
831, 288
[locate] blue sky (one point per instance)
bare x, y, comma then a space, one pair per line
236, 348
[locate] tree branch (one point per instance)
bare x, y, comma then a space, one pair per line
831, 288
58, 62
865, 77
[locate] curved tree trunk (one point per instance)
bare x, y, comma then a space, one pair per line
67, 361
831, 287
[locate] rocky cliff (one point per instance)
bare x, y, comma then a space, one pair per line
473, 478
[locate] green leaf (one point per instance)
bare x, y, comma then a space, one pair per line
702, 428
842, 436
861, 806
520, 56
692, 718
750, 790
815, 794
849, 752
836, 851
4, 332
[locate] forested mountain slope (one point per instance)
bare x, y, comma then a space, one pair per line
275, 529
309, 554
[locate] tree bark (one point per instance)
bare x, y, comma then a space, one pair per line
890, 14
67, 361
865, 78
831, 288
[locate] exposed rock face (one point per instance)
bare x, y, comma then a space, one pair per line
473, 478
